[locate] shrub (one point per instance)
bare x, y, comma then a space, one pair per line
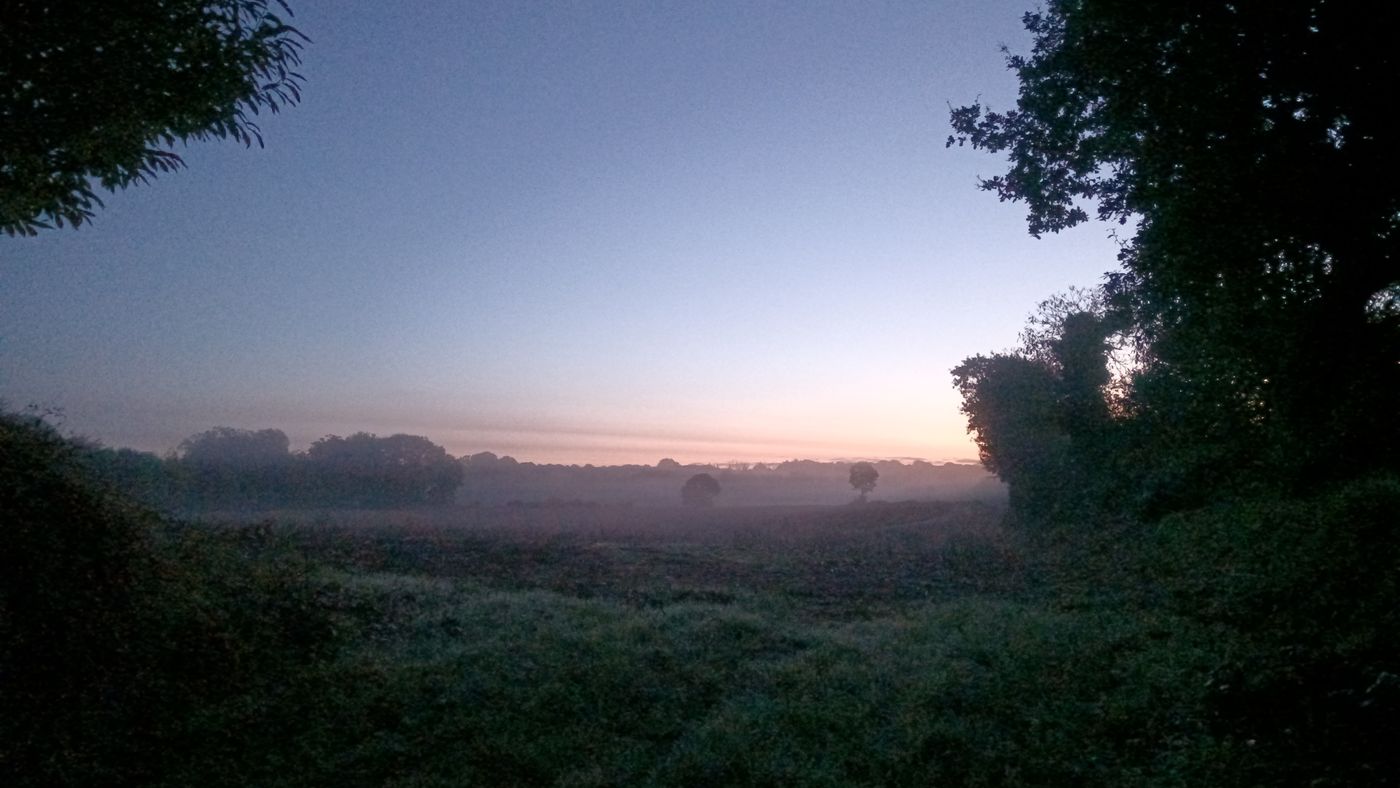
75, 561
119, 633
1314, 585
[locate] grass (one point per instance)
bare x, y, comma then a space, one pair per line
885, 644
818, 561
876, 645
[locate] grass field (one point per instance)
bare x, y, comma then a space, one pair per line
818, 562
886, 644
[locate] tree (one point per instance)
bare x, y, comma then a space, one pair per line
1079, 353
225, 466
370, 470
1009, 402
1246, 143
100, 92
700, 490
863, 476
1042, 415
236, 448
482, 461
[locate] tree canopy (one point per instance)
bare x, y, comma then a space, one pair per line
700, 490
96, 94
1247, 147
365, 468
1260, 115
863, 478
236, 447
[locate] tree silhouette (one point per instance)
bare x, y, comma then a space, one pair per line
399, 469
700, 490
99, 92
863, 477
1040, 415
236, 448
237, 467
1245, 144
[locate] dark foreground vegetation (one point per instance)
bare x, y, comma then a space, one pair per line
877, 644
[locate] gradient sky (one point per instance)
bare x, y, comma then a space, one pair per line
569, 232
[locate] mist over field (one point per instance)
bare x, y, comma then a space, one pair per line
224, 469
492, 480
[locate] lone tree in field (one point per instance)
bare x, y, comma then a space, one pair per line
700, 490
96, 93
863, 476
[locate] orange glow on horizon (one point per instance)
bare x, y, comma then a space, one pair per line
601, 448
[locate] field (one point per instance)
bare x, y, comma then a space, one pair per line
883, 644
886, 644
819, 562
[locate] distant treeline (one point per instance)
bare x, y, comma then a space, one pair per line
233, 468
226, 468
495, 480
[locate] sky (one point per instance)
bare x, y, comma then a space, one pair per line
577, 232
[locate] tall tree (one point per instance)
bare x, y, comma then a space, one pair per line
863, 478
96, 93
1248, 144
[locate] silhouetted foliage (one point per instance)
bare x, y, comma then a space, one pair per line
236, 467
97, 93
236, 448
144, 477
226, 468
73, 561
863, 477
367, 470
1012, 409
119, 632
1246, 142
1212, 435
700, 490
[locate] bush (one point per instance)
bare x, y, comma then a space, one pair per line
119, 632
75, 561
1315, 585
